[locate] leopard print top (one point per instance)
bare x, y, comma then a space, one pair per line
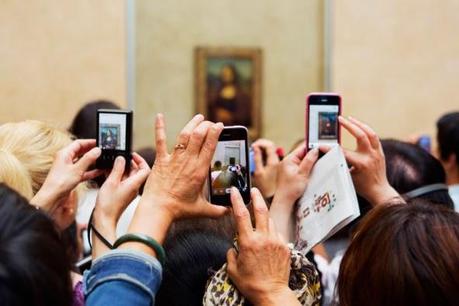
304, 281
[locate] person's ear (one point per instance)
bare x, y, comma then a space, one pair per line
450, 162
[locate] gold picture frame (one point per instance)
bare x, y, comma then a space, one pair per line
228, 86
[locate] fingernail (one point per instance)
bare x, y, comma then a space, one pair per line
119, 160
97, 151
220, 124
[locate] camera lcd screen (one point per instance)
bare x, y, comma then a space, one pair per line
229, 168
323, 125
112, 131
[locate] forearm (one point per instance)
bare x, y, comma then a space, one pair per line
151, 220
382, 195
281, 213
44, 200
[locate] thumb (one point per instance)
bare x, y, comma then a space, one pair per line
214, 211
118, 169
231, 260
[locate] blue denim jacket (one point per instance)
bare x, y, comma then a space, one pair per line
122, 277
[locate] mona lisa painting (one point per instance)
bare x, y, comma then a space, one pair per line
228, 86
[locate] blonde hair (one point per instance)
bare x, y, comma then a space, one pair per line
27, 151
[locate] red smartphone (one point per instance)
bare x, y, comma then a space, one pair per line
322, 125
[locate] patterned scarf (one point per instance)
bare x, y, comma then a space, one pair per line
304, 281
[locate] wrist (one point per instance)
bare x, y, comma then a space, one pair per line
283, 202
382, 195
105, 224
152, 219
44, 200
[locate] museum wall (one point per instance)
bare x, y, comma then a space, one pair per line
289, 33
396, 62
56, 55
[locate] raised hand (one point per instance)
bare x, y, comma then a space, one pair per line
118, 190
265, 176
261, 268
293, 177
368, 165
70, 168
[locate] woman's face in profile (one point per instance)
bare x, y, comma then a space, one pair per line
227, 74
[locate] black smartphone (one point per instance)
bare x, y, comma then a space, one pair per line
114, 137
230, 166
322, 125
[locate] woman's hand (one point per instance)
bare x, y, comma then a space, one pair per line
118, 190
261, 269
293, 177
174, 187
368, 165
265, 176
70, 168
177, 179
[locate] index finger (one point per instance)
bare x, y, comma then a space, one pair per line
78, 148
241, 214
260, 211
209, 146
357, 132
160, 137
308, 162
372, 136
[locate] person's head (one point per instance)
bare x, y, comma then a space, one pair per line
149, 154
409, 168
27, 151
14, 174
402, 255
84, 125
228, 74
192, 256
217, 165
34, 268
448, 143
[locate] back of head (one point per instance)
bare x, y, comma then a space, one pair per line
14, 174
34, 145
448, 135
34, 269
402, 255
84, 125
409, 167
191, 257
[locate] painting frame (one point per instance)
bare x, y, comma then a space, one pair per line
231, 54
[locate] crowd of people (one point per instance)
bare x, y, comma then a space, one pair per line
155, 239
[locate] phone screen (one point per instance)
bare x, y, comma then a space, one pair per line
112, 131
323, 124
229, 168
114, 137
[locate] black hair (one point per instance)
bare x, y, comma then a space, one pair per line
84, 125
192, 257
34, 267
409, 167
149, 154
448, 135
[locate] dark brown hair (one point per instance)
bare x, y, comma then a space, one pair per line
402, 255
34, 267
